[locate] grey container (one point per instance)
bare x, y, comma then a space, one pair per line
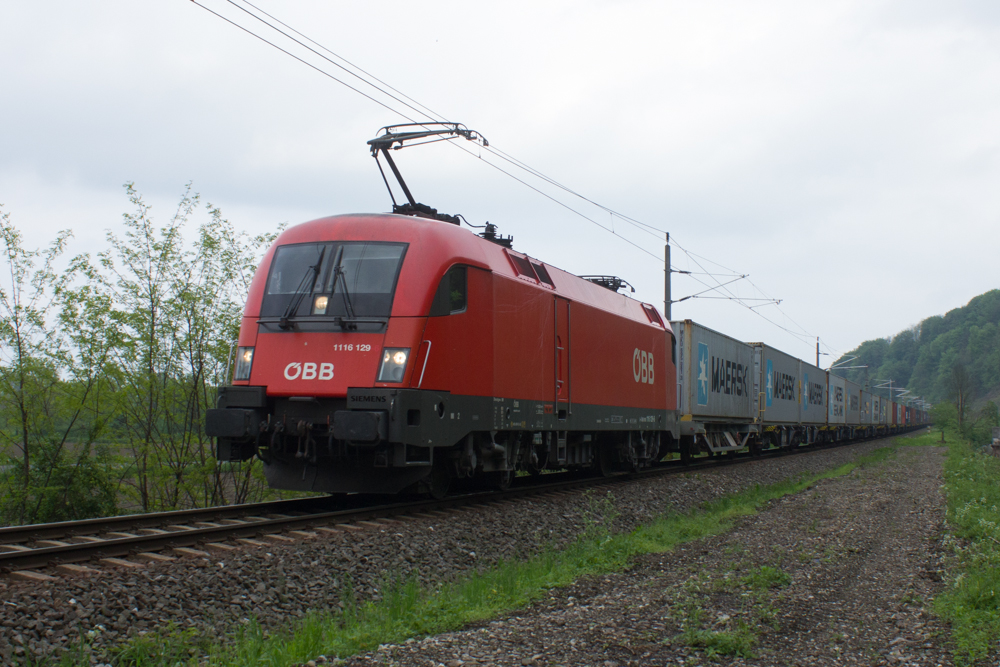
714, 374
812, 395
853, 392
866, 407
778, 375
836, 412
878, 409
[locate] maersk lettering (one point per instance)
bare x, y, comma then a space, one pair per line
837, 402
729, 377
815, 393
784, 387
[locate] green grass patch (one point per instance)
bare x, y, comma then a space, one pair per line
971, 604
766, 577
408, 610
739, 642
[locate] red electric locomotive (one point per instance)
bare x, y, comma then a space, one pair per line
382, 353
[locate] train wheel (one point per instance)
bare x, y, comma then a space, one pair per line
439, 482
500, 479
686, 446
604, 460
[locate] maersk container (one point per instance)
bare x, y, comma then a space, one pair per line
713, 374
837, 402
780, 382
813, 394
853, 392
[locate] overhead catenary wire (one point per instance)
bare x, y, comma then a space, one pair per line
415, 106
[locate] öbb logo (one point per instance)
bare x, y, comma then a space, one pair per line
642, 366
308, 371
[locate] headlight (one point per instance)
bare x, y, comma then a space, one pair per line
393, 364
319, 305
244, 360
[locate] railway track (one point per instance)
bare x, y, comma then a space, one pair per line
110, 541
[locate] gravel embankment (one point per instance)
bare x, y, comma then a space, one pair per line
277, 584
860, 558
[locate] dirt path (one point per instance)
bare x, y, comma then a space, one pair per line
835, 575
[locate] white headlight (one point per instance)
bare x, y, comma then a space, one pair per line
244, 362
393, 364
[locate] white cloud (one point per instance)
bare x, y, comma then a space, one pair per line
844, 154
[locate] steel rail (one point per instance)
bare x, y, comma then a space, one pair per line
250, 525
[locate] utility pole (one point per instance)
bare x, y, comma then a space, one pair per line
666, 280
817, 351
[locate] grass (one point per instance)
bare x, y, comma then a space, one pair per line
409, 611
971, 604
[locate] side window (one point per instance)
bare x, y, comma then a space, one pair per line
673, 349
451, 295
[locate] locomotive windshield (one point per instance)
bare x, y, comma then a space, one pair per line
329, 280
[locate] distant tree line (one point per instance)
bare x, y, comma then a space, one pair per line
109, 361
952, 361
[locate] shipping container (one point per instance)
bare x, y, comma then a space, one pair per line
838, 401
853, 403
778, 375
866, 408
713, 374
813, 395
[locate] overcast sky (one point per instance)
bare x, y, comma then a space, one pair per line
843, 154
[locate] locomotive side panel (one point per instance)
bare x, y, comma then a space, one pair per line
616, 361
523, 340
456, 350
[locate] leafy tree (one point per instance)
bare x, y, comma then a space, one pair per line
42, 413
108, 366
922, 358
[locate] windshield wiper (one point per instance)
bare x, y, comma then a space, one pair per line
308, 282
338, 274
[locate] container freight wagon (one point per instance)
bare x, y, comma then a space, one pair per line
716, 395
837, 401
812, 399
779, 382
853, 392
866, 409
